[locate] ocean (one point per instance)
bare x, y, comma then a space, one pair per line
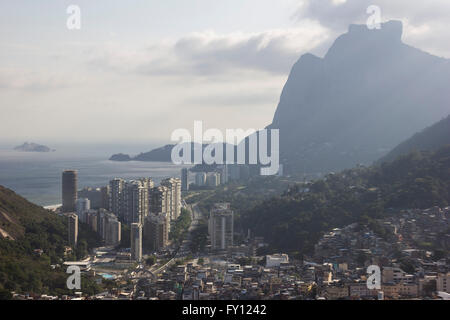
37, 176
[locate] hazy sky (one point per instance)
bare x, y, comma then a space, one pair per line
137, 70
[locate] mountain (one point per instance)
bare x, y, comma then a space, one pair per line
430, 139
366, 95
33, 147
164, 154
295, 221
31, 240
120, 157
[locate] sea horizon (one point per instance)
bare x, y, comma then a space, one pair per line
36, 176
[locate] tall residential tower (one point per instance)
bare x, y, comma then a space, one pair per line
221, 226
69, 190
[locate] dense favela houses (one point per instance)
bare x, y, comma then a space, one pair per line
230, 268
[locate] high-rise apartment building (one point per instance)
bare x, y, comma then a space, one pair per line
156, 232
72, 221
134, 206
129, 200
234, 172
69, 190
224, 174
213, 179
136, 241
115, 196
174, 185
157, 200
443, 282
200, 179
92, 217
113, 230
184, 179
104, 196
221, 226
101, 230
99, 197
147, 182
83, 205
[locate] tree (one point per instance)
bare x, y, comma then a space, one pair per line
150, 260
5, 294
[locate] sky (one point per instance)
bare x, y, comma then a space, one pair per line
137, 70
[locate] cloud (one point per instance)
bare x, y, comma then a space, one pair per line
18, 79
237, 99
272, 51
425, 22
209, 53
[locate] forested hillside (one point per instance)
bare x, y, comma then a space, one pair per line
295, 220
26, 228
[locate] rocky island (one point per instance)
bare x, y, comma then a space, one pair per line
162, 154
33, 147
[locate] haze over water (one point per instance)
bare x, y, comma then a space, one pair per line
37, 176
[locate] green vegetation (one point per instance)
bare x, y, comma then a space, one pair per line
199, 238
150, 260
125, 237
40, 241
87, 239
295, 220
181, 226
242, 196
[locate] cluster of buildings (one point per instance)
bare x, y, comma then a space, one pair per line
146, 208
132, 201
409, 240
338, 269
224, 174
211, 179
409, 247
273, 277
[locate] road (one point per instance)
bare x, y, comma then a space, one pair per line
181, 253
196, 216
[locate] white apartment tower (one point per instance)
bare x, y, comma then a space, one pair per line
135, 202
72, 220
112, 230
83, 205
221, 226
115, 195
136, 241
174, 185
